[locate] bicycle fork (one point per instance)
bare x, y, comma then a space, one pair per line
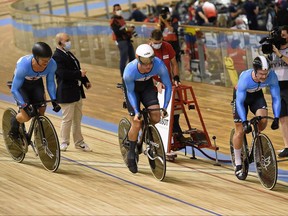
44, 140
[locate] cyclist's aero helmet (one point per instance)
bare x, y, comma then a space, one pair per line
41, 50
261, 63
145, 54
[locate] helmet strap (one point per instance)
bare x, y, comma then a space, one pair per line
37, 61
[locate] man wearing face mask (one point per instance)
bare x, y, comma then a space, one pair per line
280, 65
164, 51
70, 80
122, 36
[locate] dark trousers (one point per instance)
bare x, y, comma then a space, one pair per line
126, 52
176, 125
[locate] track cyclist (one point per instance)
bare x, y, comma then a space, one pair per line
139, 87
27, 84
248, 93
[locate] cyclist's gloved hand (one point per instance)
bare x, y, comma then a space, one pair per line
246, 127
56, 107
275, 124
29, 109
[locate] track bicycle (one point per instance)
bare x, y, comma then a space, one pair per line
261, 152
154, 149
45, 145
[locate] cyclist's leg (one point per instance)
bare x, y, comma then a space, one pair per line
154, 115
133, 137
263, 123
238, 135
132, 140
259, 108
238, 141
39, 97
150, 101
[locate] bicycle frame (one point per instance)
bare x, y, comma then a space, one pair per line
28, 135
146, 122
255, 134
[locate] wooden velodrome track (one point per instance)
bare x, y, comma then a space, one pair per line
98, 183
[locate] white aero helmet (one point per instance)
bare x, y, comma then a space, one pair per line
261, 63
145, 54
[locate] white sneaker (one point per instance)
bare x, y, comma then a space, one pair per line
63, 146
83, 146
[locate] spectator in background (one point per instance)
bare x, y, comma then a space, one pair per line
235, 9
282, 12
70, 81
169, 28
151, 18
122, 36
271, 20
210, 12
251, 11
136, 15
191, 14
206, 13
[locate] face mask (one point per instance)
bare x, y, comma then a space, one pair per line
156, 46
67, 46
119, 12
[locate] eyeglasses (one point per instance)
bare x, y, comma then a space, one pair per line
146, 61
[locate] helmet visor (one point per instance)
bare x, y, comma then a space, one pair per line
146, 61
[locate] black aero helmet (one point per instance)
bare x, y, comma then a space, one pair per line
261, 63
41, 50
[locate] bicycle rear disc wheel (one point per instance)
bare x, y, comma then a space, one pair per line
123, 129
244, 155
265, 161
156, 153
15, 149
47, 143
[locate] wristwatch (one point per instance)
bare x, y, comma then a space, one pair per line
281, 56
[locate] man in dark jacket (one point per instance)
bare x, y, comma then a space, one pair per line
136, 15
70, 80
122, 37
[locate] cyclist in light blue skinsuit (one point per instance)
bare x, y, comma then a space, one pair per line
27, 85
139, 85
249, 94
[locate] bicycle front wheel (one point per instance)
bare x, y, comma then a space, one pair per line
265, 161
47, 143
244, 155
156, 153
15, 149
123, 129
